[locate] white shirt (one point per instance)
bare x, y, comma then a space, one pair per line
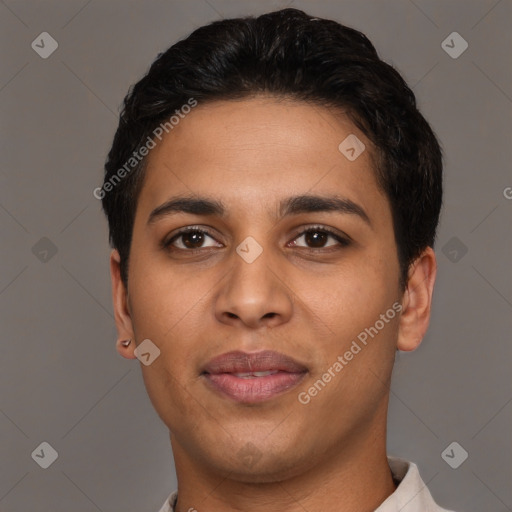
411, 494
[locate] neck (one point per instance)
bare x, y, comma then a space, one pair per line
354, 477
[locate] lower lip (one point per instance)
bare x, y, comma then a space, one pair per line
257, 389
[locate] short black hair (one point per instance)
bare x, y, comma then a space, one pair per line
287, 54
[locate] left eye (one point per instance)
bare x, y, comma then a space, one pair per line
316, 238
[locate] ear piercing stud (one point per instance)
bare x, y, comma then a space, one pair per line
125, 343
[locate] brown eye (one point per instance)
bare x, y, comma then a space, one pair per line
190, 239
317, 238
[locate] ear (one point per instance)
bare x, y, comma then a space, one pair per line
417, 301
121, 308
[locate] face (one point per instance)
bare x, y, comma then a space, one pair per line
309, 278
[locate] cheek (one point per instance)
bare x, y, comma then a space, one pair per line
166, 308
353, 296
162, 299
165, 387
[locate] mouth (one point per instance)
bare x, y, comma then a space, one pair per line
253, 377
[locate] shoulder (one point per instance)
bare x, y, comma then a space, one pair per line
411, 494
170, 503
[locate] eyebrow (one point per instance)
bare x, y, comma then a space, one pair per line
290, 206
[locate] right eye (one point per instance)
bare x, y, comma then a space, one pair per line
189, 239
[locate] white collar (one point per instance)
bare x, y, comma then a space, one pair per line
411, 495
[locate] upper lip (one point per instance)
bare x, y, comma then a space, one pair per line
238, 361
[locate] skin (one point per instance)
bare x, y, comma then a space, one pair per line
305, 300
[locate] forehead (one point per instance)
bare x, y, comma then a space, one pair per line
256, 150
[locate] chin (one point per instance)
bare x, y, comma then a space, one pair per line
247, 465
274, 473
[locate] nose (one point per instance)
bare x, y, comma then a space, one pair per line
254, 294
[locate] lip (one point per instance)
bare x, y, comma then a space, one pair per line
238, 361
219, 374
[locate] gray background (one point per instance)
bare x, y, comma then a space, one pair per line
61, 379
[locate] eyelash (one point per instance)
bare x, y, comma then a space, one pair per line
343, 242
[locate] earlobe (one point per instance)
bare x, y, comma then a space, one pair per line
122, 314
417, 301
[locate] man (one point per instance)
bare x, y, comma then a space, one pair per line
273, 194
